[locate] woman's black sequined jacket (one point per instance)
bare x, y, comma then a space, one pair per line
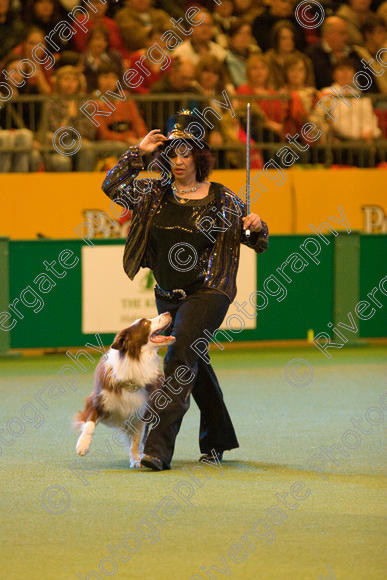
144, 195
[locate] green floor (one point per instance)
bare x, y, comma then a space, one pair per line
335, 532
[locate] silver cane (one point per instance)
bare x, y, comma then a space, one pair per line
248, 132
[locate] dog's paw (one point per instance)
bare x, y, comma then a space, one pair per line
83, 445
135, 463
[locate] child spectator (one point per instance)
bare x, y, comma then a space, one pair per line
211, 81
210, 78
274, 115
124, 126
355, 125
296, 81
65, 112
357, 121
283, 46
97, 17
97, 53
241, 45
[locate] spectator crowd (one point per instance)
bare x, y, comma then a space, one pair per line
239, 50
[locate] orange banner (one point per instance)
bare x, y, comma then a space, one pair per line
55, 204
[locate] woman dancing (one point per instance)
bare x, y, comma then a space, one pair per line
184, 214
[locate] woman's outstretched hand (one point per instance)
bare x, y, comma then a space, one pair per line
152, 141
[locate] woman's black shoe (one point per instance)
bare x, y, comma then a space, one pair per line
210, 456
153, 463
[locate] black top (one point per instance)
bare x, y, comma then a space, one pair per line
178, 250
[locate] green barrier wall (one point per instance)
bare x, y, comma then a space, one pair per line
4, 291
373, 258
309, 303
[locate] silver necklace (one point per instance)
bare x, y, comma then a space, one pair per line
177, 191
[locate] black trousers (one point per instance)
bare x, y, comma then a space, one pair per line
199, 311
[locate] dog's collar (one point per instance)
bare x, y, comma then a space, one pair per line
131, 385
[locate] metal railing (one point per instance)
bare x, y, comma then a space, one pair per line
29, 112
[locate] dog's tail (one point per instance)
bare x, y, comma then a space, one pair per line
79, 420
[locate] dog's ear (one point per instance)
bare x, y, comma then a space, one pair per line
118, 343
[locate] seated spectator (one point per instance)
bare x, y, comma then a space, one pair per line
124, 126
333, 47
64, 112
210, 77
296, 74
11, 29
242, 46
199, 43
97, 53
42, 77
263, 24
356, 12
357, 121
356, 124
179, 79
157, 70
374, 32
284, 46
249, 9
382, 12
136, 19
97, 17
27, 114
45, 14
223, 20
273, 117
211, 81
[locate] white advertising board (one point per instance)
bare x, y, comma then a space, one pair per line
111, 301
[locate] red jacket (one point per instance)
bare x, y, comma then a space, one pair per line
115, 40
112, 128
291, 113
150, 80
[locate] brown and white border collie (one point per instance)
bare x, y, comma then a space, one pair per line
124, 379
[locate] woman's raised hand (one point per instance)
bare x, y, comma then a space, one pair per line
152, 140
